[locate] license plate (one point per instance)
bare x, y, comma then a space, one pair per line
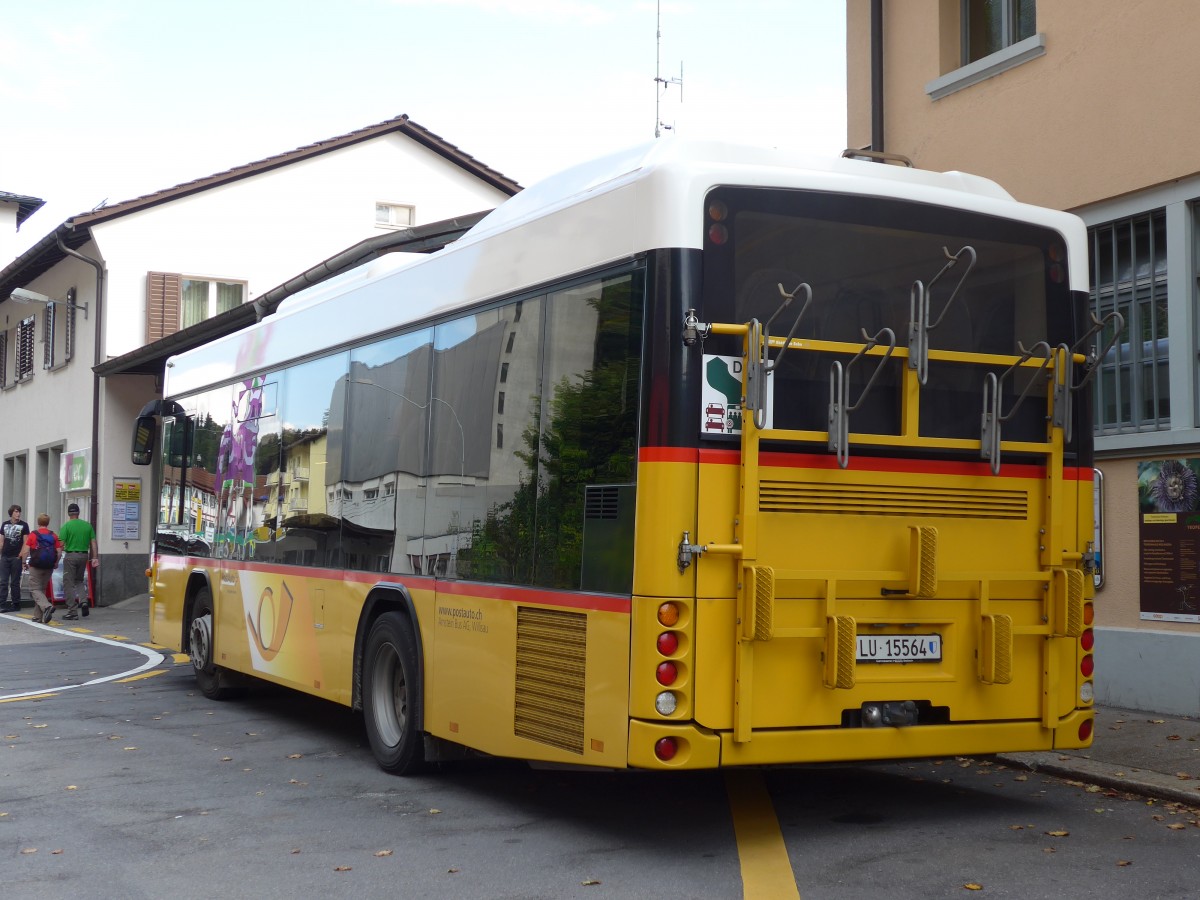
884, 648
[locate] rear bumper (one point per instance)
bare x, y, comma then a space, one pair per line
702, 749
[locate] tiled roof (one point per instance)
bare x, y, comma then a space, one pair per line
26, 206
400, 124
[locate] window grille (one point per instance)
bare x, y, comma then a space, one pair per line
1129, 274
26, 336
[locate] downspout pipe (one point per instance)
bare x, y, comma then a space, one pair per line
94, 505
877, 76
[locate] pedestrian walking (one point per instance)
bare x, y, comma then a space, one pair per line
13, 534
42, 551
79, 548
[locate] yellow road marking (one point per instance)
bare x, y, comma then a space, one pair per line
29, 697
766, 869
181, 659
149, 674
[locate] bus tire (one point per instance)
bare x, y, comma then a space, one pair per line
391, 686
214, 682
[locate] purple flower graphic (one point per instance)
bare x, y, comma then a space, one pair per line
1175, 488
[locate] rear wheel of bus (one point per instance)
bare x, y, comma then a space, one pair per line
391, 681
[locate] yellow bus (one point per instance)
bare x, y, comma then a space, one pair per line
693, 456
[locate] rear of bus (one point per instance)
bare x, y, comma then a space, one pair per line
872, 544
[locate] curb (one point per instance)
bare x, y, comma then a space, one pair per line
1130, 780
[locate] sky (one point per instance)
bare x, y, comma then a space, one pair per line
106, 101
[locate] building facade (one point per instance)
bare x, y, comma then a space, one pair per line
1074, 109
153, 273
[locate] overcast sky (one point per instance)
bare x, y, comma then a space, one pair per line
105, 100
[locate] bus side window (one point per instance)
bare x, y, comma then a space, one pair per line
178, 442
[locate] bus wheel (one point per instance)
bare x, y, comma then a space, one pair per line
391, 684
212, 680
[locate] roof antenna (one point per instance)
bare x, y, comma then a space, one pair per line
659, 126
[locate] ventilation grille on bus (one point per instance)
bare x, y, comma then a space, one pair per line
551, 650
601, 501
882, 500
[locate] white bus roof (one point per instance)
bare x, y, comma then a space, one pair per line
592, 215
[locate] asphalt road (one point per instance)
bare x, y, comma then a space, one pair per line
128, 784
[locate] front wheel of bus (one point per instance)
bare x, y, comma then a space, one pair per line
390, 688
212, 680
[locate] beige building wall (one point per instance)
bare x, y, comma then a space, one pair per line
1096, 122
1096, 116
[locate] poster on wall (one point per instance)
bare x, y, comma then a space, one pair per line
1169, 539
126, 509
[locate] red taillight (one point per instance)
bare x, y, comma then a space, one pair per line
1085, 729
666, 673
718, 234
1087, 665
1087, 640
668, 643
668, 614
665, 748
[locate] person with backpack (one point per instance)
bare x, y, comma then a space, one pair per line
14, 533
42, 551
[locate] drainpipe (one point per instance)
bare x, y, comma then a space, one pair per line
877, 76
94, 505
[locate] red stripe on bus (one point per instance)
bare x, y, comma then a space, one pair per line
475, 590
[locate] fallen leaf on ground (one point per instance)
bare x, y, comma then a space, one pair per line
383, 852
590, 881
28, 850
295, 756
434, 812
1058, 833
973, 886
1124, 862
342, 868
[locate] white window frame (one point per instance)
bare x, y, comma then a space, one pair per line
1181, 200
399, 215
211, 305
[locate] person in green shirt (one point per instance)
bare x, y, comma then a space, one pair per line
79, 548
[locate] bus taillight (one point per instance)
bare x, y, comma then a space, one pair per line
668, 614
666, 748
1087, 666
1087, 640
1085, 730
668, 643
666, 673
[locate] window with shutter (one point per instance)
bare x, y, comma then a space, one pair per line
69, 333
25, 339
163, 291
49, 327
4, 359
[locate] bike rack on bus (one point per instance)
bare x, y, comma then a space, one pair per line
759, 365
840, 406
1065, 386
992, 388
919, 324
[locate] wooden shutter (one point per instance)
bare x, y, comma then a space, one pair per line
163, 291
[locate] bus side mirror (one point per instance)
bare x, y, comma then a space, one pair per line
143, 440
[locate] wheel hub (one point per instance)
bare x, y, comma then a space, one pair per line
200, 642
